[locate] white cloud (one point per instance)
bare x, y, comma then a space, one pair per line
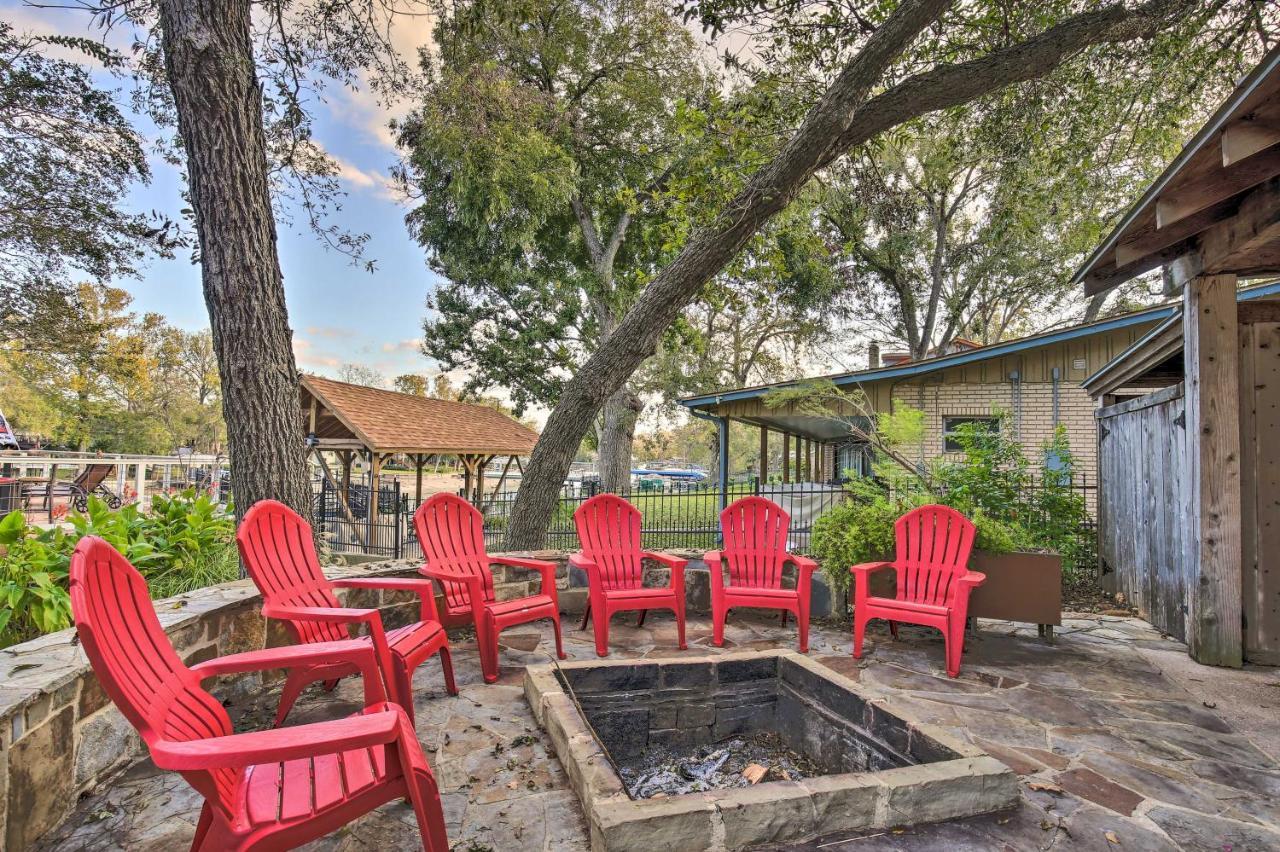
411, 345
306, 356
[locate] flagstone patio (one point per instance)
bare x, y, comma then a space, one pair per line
1119, 744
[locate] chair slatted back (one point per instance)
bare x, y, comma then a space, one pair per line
451, 532
755, 542
137, 666
933, 546
93, 475
609, 530
279, 552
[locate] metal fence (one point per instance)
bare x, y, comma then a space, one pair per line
683, 516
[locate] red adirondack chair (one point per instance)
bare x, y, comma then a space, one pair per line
278, 550
451, 532
273, 789
934, 580
609, 531
755, 546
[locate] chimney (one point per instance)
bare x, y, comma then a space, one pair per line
873, 356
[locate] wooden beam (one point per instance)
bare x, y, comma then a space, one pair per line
764, 455
1253, 133
786, 458
1254, 312
418, 462
1215, 185
1237, 243
1214, 576
1149, 239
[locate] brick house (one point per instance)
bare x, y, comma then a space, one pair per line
1035, 381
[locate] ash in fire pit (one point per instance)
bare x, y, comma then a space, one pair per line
732, 751
737, 762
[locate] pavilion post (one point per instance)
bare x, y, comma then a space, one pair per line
798, 459
1214, 575
786, 458
722, 475
418, 461
808, 459
375, 469
346, 475
764, 457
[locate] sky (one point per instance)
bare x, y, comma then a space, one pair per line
339, 312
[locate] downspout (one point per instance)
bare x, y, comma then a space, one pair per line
1057, 376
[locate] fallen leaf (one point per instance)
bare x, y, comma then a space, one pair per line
1210, 704
1111, 837
754, 772
1045, 787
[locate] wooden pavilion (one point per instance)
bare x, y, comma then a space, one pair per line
350, 420
1189, 509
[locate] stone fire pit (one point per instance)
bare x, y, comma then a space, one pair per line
880, 767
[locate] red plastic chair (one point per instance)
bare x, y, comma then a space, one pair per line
273, 789
755, 546
451, 533
934, 580
610, 533
279, 552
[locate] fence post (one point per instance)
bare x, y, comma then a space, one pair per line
396, 516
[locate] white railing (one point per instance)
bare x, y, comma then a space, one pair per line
131, 470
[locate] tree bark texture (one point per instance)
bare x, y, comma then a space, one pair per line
617, 435
210, 65
842, 119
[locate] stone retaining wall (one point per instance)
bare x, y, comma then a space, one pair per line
60, 737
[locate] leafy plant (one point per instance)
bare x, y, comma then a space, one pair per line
185, 542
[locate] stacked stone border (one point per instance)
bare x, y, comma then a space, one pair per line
771, 812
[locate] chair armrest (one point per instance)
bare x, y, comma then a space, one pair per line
424, 589
870, 567
279, 744
475, 593
715, 568
329, 614
673, 562
288, 656
543, 567
804, 563
973, 578
580, 560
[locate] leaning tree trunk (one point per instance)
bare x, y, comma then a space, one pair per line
842, 119
617, 435
210, 65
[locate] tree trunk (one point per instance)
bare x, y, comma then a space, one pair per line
210, 65
617, 434
843, 118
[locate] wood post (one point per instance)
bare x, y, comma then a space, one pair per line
808, 459
345, 455
799, 460
1211, 340
375, 468
786, 458
418, 462
764, 456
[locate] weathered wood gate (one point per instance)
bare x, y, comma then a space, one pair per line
1142, 522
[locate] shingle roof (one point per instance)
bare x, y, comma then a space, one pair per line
387, 421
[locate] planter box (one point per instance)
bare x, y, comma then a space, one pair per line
1020, 586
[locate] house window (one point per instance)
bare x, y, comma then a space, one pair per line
951, 426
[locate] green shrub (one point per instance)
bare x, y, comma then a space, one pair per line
185, 542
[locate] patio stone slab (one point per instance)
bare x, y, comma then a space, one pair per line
1113, 755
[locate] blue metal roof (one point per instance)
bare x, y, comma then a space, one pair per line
998, 350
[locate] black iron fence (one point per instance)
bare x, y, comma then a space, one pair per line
680, 516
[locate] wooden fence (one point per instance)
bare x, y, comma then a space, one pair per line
1142, 523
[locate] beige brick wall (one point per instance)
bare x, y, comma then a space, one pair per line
1032, 420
